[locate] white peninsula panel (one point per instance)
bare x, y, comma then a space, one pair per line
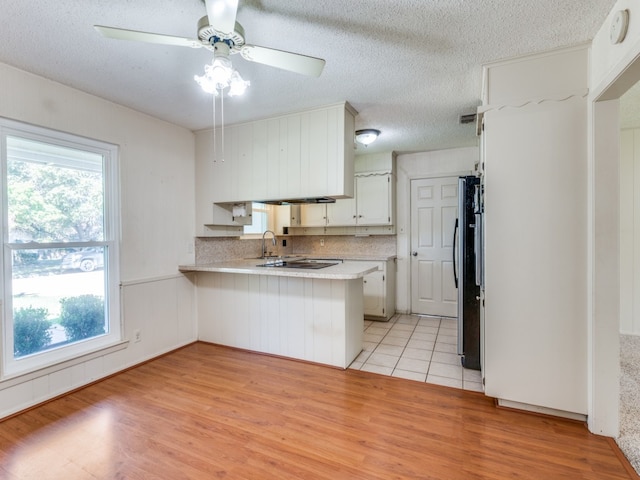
314, 319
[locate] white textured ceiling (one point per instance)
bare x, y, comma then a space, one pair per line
410, 67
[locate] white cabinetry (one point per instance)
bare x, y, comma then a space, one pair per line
313, 319
372, 205
343, 212
211, 219
286, 216
300, 155
374, 199
379, 291
371, 211
313, 215
535, 334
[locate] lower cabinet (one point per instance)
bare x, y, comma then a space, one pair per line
379, 291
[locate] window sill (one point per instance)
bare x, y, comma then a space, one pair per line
19, 378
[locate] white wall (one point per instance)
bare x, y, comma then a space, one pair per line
441, 163
157, 224
630, 231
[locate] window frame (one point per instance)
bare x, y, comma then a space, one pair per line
11, 367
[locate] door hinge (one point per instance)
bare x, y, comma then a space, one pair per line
383, 278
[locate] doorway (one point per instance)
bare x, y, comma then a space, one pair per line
434, 209
629, 408
615, 69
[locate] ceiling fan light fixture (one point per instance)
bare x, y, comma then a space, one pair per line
367, 136
237, 86
219, 75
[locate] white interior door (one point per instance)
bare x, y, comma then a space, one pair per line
434, 209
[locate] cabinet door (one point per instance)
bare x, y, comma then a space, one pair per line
374, 294
286, 216
313, 215
373, 196
341, 213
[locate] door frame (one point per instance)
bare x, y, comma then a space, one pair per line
603, 314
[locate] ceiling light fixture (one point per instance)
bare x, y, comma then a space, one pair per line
367, 136
220, 74
217, 77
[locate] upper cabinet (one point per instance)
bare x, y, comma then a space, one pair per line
294, 156
313, 215
373, 205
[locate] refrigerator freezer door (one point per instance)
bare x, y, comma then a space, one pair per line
468, 290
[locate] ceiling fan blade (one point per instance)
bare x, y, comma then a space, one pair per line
222, 14
123, 34
294, 62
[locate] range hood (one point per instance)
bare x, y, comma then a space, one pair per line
298, 201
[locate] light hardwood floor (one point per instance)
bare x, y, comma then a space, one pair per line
206, 412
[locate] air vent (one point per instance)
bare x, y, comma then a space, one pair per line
469, 118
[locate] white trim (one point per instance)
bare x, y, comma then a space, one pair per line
55, 367
10, 366
140, 281
542, 410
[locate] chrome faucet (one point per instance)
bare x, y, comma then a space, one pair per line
273, 240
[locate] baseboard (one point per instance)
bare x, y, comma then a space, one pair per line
541, 410
623, 459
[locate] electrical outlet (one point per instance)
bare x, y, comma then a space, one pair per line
137, 336
322, 242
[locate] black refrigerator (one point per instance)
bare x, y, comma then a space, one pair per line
468, 269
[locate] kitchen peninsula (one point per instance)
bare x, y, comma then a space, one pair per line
307, 314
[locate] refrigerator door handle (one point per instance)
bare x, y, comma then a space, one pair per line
477, 249
455, 270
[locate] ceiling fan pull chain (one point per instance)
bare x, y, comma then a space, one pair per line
215, 145
222, 120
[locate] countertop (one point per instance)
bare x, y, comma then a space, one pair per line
342, 271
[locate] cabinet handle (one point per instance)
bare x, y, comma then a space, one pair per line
415, 254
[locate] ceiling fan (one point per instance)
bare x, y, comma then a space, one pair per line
219, 32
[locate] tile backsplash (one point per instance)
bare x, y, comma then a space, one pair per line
209, 250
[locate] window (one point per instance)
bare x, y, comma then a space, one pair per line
260, 214
60, 232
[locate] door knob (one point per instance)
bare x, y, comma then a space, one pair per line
415, 254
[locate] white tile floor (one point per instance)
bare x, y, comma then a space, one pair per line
416, 348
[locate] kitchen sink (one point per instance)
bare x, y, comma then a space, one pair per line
273, 258
300, 263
